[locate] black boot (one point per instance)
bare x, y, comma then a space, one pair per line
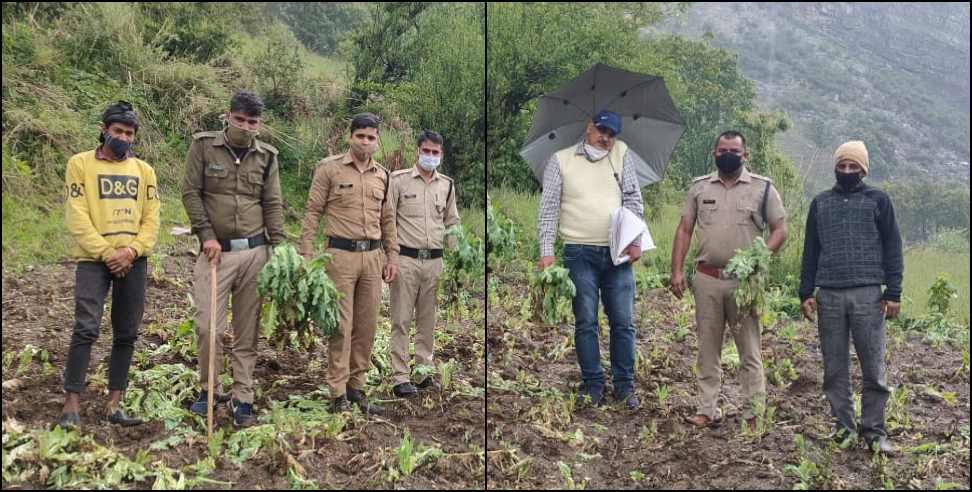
358, 398
427, 384
340, 404
404, 390
69, 420
118, 417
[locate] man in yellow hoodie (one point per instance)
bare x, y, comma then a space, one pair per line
112, 211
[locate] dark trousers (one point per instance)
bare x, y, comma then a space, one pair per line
92, 281
854, 314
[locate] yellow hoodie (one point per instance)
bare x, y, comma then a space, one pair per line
110, 205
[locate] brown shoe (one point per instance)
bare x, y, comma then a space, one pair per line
700, 420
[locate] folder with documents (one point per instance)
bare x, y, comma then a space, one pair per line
626, 227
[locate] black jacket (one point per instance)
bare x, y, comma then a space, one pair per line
852, 240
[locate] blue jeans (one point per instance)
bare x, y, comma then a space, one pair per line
594, 274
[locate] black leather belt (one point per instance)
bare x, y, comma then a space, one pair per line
358, 245
421, 254
243, 243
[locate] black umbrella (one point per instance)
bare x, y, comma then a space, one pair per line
651, 125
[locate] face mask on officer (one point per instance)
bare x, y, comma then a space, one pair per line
239, 137
429, 162
728, 163
363, 150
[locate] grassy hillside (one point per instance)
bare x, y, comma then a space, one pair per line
894, 75
178, 64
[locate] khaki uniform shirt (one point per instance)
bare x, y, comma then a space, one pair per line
226, 200
352, 202
730, 218
423, 210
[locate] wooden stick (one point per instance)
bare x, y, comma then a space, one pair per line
212, 347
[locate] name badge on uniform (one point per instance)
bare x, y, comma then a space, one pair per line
708, 202
216, 167
413, 195
344, 186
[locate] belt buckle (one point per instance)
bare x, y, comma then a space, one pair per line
424, 254
239, 244
360, 246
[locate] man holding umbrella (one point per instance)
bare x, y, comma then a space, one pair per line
587, 174
582, 185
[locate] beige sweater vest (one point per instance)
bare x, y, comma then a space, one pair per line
589, 194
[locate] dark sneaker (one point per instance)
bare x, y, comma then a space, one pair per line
242, 413
358, 398
843, 437
631, 401
404, 390
69, 420
881, 445
427, 383
118, 417
594, 393
199, 406
340, 404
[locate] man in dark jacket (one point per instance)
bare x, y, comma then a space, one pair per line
852, 247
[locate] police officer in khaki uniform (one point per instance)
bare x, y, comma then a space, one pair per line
232, 196
732, 207
424, 202
351, 192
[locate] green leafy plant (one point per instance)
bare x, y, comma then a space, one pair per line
500, 234
941, 294
464, 261
780, 372
551, 289
750, 267
299, 295
411, 455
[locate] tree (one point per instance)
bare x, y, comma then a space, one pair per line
428, 61
320, 26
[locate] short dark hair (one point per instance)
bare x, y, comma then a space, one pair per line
430, 136
247, 102
729, 135
120, 112
364, 120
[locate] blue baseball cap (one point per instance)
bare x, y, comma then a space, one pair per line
609, 120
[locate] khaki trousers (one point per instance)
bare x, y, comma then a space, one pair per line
237, 273
714, 309
413, 292
357, 275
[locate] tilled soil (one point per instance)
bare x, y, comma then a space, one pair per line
38, 309
534, 440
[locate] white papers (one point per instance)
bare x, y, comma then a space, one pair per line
626, 227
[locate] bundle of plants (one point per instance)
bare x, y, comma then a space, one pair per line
301, 303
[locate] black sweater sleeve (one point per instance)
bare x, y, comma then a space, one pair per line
893, 259
811, 253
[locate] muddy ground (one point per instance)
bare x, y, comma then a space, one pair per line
537, 439
38, 309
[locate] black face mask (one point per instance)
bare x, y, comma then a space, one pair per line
118, 146
728, 163
848, 181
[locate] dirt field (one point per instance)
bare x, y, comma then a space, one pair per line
538, 436
360, 452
